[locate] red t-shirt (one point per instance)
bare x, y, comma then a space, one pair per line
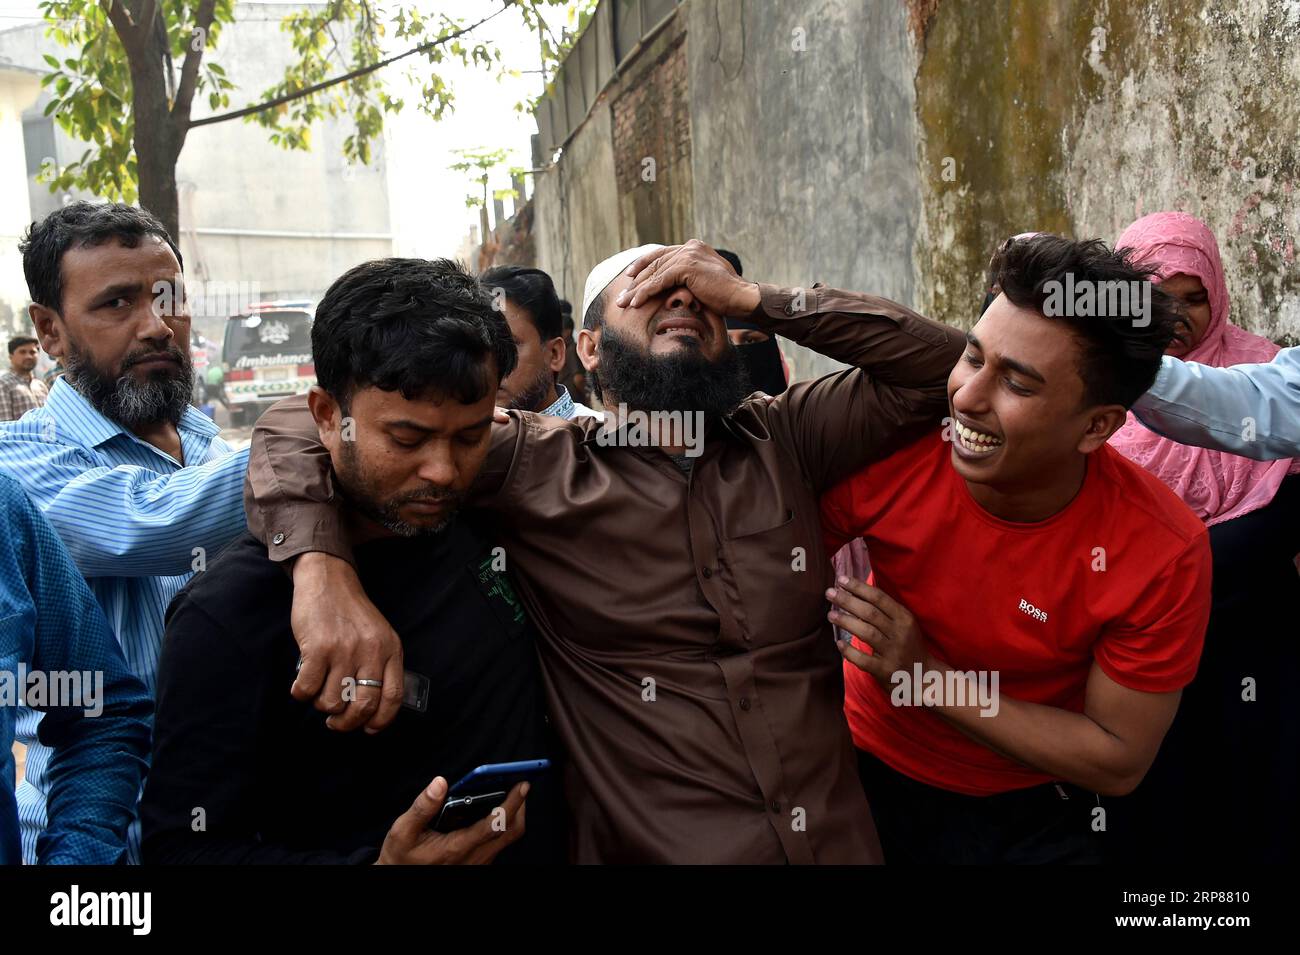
1022, 599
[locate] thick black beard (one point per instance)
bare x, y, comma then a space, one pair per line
683, 380
163, 396
352, 481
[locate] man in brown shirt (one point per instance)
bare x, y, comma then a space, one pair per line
678, 590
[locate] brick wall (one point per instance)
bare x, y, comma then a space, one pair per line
651, 122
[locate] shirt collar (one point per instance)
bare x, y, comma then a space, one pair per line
563, 406
77, 416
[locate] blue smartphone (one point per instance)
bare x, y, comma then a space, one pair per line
481, 790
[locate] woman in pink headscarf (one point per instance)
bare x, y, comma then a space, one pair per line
1217, 486
1227, 754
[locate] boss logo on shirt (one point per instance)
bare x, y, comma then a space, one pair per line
1027, 607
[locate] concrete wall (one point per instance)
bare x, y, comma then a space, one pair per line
652, 144
889, 145
805, 144
1081, 115
577, 217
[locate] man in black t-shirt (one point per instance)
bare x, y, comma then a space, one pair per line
409, 355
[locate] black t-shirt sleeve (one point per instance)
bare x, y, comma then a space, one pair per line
200, 800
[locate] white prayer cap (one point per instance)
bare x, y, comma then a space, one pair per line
604, 273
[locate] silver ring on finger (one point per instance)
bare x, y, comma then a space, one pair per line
370, 682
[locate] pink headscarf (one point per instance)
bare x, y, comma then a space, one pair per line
1217, 486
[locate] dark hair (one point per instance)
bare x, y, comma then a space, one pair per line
595, 316
19, 341
566, 309
77, 225
733, 258
534, 292
419, 326
1120, 355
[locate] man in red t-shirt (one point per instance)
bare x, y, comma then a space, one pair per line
1040, 601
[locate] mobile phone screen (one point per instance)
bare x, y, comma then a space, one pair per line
459, 812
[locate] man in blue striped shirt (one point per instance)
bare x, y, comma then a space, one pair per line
136, 482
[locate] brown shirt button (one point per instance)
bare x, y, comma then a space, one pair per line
776, 806
708, 572
277, 539
744, 703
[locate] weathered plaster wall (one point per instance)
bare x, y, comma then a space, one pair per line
805, 146
818, 133
1079, 116
576, 205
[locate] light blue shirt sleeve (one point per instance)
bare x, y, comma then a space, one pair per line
1251, 410
128, 521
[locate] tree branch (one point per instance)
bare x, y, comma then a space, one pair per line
203, 18
120, 17
325, 84
148, 9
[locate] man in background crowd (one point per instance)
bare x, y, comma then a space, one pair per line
532, 309
20, 389
758, 350
573, 376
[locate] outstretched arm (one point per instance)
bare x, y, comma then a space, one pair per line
127, 521
1251, 410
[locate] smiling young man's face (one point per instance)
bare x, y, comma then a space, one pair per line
1017, 401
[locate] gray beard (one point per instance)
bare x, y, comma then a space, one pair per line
132, 404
